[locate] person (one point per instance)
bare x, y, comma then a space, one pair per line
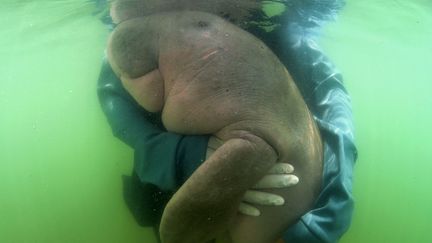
164, 160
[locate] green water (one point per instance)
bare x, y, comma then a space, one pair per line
384, 50
60, 166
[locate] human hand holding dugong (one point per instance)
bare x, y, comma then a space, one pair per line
279, 176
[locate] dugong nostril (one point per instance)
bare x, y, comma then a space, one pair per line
202, 24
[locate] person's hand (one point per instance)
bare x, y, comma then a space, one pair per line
279, 176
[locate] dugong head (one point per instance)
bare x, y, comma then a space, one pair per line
236, 11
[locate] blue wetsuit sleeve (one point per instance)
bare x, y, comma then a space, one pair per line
161, 158
328, 100
322, 88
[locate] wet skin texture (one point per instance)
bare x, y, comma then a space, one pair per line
207, 76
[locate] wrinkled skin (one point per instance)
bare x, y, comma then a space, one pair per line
207, 76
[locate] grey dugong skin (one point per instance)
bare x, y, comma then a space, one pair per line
214, 73
216, 78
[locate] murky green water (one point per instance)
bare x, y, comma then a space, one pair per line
384, 49
60, 166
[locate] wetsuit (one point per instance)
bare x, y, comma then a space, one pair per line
163, 160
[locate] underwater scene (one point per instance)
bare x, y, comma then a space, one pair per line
93, 148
